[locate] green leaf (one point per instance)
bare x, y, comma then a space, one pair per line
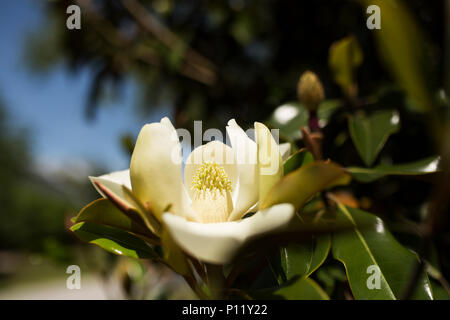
368, 246
344, 56
302, 184
102, 211
437, 280
114, 240
370, 133
439, 293
298, 159
424, 166
329, 275
299, 288
326, 110
402, 46
302, 289
302, 259
290, 117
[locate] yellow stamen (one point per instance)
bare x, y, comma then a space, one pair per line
212, 177
212, 200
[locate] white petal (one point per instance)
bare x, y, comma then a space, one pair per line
219, 242
155, 169
113, 182
214, 151
270, 163
246, 153
285, 150
166, 121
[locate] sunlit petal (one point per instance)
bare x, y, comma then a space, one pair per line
155, 170
246, 153
270, 164
218, 243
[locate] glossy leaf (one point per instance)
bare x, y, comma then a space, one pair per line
302, 259
424, 166
437, 280
369, 249
439, 293
300, 288
289, 118
114, 240
329, 276
370, 133
298, 159
300, 185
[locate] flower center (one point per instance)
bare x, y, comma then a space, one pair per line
212, 177
212, 200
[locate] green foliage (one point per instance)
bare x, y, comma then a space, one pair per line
230, 59
293, 189
420, 167
102, 211
290, 117
297, 160
304, 258
370, 133
113, 240
370, 244
298, 288
345, 56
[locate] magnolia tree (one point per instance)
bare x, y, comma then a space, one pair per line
255, 218
264, 215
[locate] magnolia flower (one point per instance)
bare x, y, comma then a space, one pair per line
204, 210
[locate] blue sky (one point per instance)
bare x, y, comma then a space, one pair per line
52, 106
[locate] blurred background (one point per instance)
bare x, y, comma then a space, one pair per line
73, 101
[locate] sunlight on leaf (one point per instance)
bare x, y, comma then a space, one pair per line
344, 57
420, 167
300, 185
378, 267
298, 159
113, 240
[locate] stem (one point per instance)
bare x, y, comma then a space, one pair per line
313, 121
196, 288
215, 280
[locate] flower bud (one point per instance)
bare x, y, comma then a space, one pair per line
310, 90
